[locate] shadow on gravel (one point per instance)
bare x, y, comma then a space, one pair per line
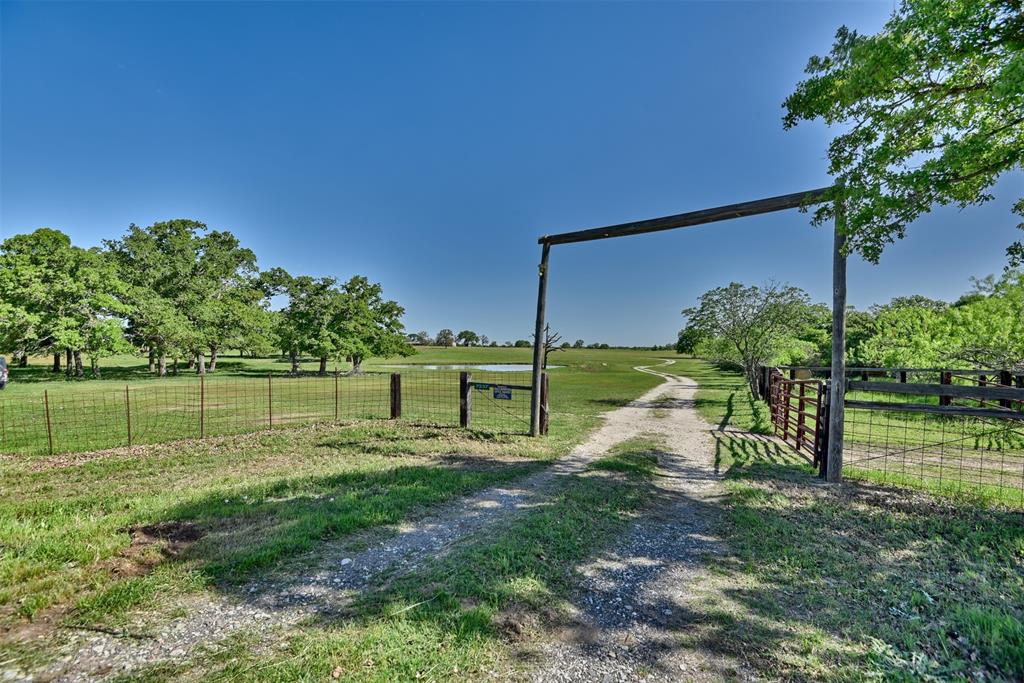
254, 528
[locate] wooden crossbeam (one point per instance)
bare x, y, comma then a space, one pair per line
692, 218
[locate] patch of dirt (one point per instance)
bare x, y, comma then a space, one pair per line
175, 536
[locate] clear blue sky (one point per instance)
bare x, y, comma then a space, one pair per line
427, 146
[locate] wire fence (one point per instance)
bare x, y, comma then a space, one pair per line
95, 418
949, 430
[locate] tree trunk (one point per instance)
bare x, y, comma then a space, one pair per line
79, 370
175, 366
23, 360
357, 365
69, 367
56, 362
294, 356
163, 365
191, 363
95, 367
323, 365
200, 363
213, 358
152, 360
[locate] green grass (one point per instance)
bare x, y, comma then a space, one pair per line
454, 618
855, 583
66, 521
87, 415
638, 456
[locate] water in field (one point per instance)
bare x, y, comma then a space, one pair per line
489, 367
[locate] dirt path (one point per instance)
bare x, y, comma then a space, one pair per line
638, 599
339, 574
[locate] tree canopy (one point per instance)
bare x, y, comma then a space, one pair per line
933, 113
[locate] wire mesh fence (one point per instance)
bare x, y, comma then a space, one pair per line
944, 429
955, 436
67, 420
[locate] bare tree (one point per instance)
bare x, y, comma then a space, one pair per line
551, 340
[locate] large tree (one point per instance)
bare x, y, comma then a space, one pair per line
933, 113
752, 320
368, 324
55, 296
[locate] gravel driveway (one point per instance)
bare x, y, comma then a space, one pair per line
336, 575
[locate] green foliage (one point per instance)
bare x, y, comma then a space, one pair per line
445, 338
749, 324
933, 112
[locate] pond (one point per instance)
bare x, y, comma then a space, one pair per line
488, 367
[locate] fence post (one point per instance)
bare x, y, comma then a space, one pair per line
466, 400
825, 433
335, 396
128, 412
202, 407
903, 376
49, 429
544, 408
1006, 380
396, 395
270, 399
792, 373
945, 377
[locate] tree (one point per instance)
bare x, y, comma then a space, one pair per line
467, 338
578, 344
421, 338
689, 338
54, 293
368, 324
752, 320
933, 107
309, 323
521, 344
550, 343
484, 341
445, 338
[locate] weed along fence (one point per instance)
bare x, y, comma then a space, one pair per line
89, 417
943, 429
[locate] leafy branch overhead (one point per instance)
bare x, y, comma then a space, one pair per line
933, 109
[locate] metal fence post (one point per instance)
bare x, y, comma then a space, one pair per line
396, 395
335, 395
128, 412
465, 400
270, 399
202, 407
824, 432
49, 429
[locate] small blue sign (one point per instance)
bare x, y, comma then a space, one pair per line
503, 393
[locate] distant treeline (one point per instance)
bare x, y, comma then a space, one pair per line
177, 290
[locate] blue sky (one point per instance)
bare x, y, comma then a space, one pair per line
427, 146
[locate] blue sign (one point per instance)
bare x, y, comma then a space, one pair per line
503, 393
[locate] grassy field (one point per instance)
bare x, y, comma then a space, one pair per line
246, 395
855, 582
817, 582
82, 533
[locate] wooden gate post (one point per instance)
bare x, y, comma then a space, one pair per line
823, 427
837, 406
538, 340
396, 395
1006, 380
945, 377
545, 411
466, 400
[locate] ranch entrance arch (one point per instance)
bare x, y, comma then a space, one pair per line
702, 217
